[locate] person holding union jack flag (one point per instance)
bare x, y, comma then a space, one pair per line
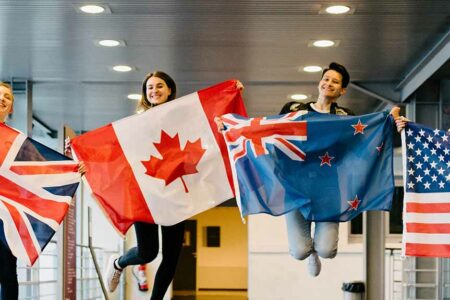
332, 85
31, 208
8, 272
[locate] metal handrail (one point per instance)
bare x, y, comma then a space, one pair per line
37, 282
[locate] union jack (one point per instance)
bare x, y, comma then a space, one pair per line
36, 187
260, 132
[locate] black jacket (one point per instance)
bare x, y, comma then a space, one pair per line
298, 106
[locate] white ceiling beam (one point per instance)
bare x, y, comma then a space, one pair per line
372, 94
426, 67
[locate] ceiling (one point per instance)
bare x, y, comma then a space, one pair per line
203, 42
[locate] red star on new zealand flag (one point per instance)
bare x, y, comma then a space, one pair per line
354, 203
359, 127
326, 159
379, 148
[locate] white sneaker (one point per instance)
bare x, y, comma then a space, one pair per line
112, 274
314, 264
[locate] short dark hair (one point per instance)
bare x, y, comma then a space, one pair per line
341, 70
144, 103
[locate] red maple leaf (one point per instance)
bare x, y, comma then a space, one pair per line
175, 161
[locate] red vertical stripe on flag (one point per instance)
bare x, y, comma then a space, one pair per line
8, 136
216, 101
121, 197
435, 250
23, 232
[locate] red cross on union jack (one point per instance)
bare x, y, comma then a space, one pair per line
260, 132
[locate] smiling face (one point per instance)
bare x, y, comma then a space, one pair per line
330, 86
157, 90
6, 102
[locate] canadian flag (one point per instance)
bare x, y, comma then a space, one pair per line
164, 165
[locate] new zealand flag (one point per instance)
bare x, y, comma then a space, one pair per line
330, 167
36, 187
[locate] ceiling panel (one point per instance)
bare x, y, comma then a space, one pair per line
262, 43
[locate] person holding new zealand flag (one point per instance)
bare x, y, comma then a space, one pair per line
332, 85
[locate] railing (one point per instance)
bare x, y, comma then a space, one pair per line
414, 278
41, 280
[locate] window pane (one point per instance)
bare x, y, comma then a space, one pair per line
395, 215
356, 225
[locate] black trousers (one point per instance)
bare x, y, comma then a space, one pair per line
9, 287
147, 249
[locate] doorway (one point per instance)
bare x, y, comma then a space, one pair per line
184, 282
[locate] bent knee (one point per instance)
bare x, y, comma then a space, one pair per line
300, 253
146, 257
326, 252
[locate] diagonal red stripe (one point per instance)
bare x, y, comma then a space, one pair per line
229, 121
430, 250
47, 169
428, 228
47, 208
428, 207
22, 229
292, 148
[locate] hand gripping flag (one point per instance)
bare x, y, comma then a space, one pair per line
330, 167
164, 165
426, 208
36, 187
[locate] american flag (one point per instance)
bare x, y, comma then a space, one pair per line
36, 187
426, 216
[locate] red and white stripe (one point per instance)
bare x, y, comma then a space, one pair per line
426, 221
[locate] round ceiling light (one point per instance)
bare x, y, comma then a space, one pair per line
92, 9
337, 9
323, 43
298, 97
312, 69
134, 96
109, 43
122, 68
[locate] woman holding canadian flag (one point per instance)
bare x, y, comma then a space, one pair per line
157, 88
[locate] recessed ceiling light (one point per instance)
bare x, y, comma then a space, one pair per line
92, 9
109, 43
312, 69
323, 43
337, 9
298, 97
134, 96
122, 68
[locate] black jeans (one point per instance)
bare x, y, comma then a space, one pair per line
9, 287
147, 249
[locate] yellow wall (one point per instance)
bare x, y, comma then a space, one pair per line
223, 267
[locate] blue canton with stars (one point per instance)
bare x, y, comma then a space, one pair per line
427, 159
